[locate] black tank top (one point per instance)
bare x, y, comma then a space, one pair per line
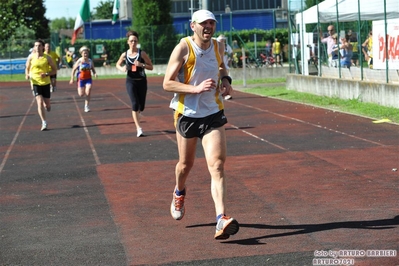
139, 73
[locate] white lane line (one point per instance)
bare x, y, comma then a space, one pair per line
259, 138
311, 124
122, 101
16, 136
93, 150
119, 99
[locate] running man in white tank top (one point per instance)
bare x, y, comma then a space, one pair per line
198, 78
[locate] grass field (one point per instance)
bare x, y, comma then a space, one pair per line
353, 106
267, 88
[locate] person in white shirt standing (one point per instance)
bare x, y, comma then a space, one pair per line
329, 40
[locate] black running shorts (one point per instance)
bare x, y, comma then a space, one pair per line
42, 90
190, 127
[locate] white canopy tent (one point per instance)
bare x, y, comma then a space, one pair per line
348, 11
330, 11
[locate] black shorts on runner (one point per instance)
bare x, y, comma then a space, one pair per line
190, 127
42, 90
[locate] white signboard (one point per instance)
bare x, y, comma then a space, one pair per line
382, 44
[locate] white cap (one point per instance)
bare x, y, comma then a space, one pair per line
83, 48
202, 15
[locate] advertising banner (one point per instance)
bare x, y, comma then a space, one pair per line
382, 44
12, 66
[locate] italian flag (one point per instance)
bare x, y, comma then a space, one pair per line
115, 11
84, 14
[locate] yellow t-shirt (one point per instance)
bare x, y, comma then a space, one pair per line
370, 47
55, 57
37, 67
68, 58
277, 48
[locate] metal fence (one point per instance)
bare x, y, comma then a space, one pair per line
354, 20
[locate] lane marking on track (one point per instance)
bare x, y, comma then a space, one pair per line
16, 136
122, 101
93, 150
259, 138
308, 123
119, 99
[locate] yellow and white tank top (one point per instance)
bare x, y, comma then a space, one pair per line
37, 67
199, 66
370, 47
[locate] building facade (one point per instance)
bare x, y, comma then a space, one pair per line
231, 15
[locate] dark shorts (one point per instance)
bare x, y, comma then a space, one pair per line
190, 127
42, 90
53, 76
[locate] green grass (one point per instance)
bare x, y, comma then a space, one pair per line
269, 88
353, 106
261, 81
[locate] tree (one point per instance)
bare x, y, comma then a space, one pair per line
153, 22
310, 3
103, 10
62, 23
23, 13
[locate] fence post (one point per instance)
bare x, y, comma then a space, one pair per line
244, 57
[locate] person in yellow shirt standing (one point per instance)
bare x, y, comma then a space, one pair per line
367, 48
37, 70
56, 59
276, 49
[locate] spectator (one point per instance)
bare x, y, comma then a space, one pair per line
68, 57
106, 57
268, 49
235, 45
367, 48
346, 52
355, 47
335, 51
277, 49
227, 57
330, 43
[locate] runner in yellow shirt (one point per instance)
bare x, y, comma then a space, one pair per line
56, 59
37, 71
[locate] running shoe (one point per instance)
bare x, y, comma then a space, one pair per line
228, 97
87, 109
44, 126
225, 227
177, 206
139, 132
